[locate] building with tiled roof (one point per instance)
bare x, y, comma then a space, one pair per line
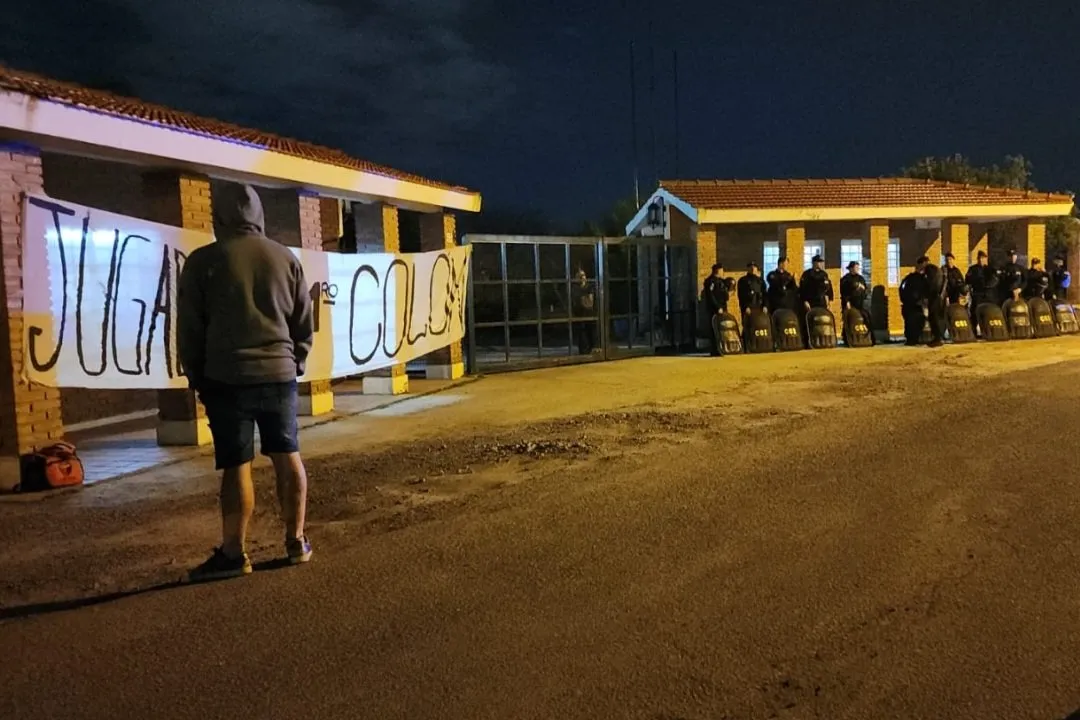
151, 163
884, 224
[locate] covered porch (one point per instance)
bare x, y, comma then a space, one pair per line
153, 163
884, 224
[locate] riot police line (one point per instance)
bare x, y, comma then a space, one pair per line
991, 303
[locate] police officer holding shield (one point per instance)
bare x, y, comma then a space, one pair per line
751, 294
1037, 282
1012, 278
715, 294
983, 279
914, 293
783, 292
954, 280
935, 299
853, 293
815, 291
1060, 279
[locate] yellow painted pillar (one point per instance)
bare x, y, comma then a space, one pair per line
1036, 239
933, 251
392, 380
956, 237
980, 241
882, 310
315, 397
438, 231
792, 237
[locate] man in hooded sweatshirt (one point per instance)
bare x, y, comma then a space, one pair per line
244, 330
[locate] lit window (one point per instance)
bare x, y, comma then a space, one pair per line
893, 256
770, 255
810, 249
850, 251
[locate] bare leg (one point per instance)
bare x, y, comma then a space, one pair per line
291, 491
237, 505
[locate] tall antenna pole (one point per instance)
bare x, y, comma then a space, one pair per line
633, 125
652, 101
675, 83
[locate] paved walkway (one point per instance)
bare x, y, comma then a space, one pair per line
116, 450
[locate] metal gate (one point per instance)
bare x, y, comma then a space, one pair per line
538, 301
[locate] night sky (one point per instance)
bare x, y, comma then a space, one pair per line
528, 102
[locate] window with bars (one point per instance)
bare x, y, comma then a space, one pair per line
850, 251
810, 249
893, 257
770, 256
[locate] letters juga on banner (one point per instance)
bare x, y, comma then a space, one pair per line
100, 301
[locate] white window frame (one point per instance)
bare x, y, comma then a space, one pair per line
850, 249
810, 249
770, 255
892, 255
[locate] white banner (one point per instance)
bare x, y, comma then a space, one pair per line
100, 301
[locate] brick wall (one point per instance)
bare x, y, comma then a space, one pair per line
282, 220
116, 188
30, 414
330, 220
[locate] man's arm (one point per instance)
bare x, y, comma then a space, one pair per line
191, 322
302, 320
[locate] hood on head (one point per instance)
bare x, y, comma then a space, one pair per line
238, 210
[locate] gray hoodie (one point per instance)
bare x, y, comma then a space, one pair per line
244, 313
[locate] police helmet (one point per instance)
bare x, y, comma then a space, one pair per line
817, 259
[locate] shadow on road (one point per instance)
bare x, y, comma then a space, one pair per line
44, 608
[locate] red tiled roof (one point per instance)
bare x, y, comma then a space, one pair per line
862, 192
101, 101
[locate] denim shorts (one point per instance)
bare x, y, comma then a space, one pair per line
235, 410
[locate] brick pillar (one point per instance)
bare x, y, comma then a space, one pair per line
181, 200
933, 249
883, 305
29, 413
980, 240
956, 240
438, 231
792, 239
381, 221
316, 397
705, 249
330, 223
1035, 231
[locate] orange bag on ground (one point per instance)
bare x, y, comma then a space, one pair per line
55, 466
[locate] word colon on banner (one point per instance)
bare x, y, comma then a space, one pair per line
100, 301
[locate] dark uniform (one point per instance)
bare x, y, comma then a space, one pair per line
1037, 284
954, 284
715, 293
935, 300
914, 294
854, 292
751, 294
1059, 283
783, 293
815, 290
1012, 278
983, 281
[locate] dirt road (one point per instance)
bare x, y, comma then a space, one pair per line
845, 534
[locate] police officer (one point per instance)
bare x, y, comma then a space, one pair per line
751, 294
1012, 278
815, 290
1037, 282
783, 292
715, 293
935, 299
853, 293
913, 300
1060, 279
983, 279
954, 279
